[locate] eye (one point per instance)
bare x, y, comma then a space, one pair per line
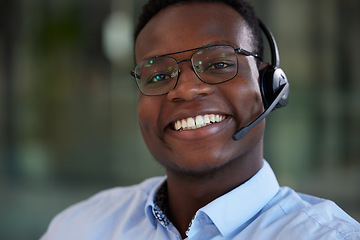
219, 65
158, 78
163, 77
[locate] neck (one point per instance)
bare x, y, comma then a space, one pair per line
189, 192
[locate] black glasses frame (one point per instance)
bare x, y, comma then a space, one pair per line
237, 50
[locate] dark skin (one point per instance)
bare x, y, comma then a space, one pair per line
205, 163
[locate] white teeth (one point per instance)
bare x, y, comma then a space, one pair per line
183, 123
217, 118
198, 122
212, 117
207, 119
177, 125
191, 123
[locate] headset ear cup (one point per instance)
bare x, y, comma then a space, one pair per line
271, 80
266, 86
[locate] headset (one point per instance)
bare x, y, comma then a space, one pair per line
274, 84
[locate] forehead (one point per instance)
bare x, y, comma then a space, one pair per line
191, 25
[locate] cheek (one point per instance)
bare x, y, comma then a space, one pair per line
245, 97
254, 86
145, 122
148, 114
256, 98
248, 105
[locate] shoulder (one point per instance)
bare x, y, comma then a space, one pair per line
123, 195
119, 197
311, 217
104, 209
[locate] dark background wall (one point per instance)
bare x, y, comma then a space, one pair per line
68, 124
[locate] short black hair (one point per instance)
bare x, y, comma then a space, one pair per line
152, 7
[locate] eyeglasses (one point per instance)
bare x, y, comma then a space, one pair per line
212, 65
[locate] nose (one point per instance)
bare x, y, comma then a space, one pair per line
189, 86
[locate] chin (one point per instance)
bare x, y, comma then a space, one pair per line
198, 171
195, 165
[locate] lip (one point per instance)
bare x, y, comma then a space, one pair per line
200, 133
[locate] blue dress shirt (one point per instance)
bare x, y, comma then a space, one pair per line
258, 209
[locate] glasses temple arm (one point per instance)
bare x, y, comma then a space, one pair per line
247, 53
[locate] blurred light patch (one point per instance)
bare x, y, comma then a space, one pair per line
117, 37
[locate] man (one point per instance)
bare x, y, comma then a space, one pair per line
198, 66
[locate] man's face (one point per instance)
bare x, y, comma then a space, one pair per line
237, 102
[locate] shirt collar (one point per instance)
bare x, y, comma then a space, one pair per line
153, 211
229, 211
235, 208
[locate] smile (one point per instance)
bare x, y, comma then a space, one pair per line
198, 121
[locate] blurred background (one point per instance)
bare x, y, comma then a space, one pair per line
68, 124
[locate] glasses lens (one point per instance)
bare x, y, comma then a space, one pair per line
215, 64
156, 76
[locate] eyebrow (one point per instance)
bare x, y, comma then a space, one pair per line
214, 43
